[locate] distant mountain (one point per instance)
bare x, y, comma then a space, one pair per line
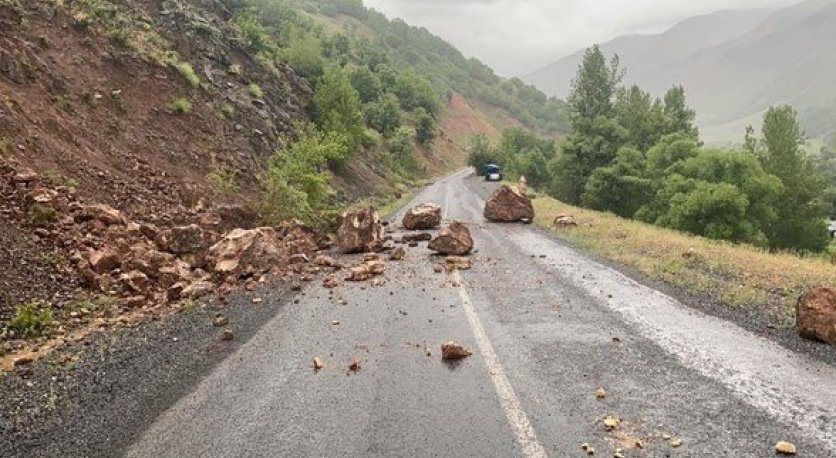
734, 64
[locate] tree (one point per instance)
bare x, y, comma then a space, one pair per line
596, 136
621, 188
594, 86
801, 218
337, 106
678, 116
304, 54
480, 152
402, 147
294, 185
642, 116
384, 115
425, 126
582, 153
366, 84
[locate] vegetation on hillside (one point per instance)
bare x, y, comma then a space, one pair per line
640, 157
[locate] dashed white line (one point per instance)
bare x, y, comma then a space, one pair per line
517, 419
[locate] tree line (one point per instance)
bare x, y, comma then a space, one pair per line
641, 157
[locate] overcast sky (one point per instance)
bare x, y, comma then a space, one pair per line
516, 37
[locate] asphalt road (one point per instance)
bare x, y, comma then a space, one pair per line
547, 326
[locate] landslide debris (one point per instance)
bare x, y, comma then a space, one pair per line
359, 231
453, 239
453, 350
423, 216
815, 314
508, 204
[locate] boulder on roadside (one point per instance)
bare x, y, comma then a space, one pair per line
816, 314
397, 254
197, 289
105, 214
507, 204
182, 240
145, 260
564, 220
423, 216
453, 239
367, 270
360, 231
245, 250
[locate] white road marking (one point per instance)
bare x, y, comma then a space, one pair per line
508, 399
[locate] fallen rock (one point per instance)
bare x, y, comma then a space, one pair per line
815, 314
564, 220
105, 214
245, 250
197, 289
135, 281
419, 237
507, 204
785, 448
220, 320
397, 254
457, 263
366, 270
360, 231
600, 393
145, 260
227, 335
355, 364
182, 240
611, 422
327, 261
453, 239
330, 281
104, 260
318, 364
454, 350
423, 216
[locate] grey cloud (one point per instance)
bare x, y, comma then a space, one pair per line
519, 36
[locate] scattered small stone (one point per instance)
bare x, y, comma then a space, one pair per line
318, 364
257, 300
611, 423
221, 320
588, 449
457, 263
330, 281
675, 442
227, 335
600, 393
454, 350
335, 322
785, 448
398, 254
355, 364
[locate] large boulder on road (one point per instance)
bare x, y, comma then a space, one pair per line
816, 314
423, 216
360, 231
507, 204
453, 239
245, 250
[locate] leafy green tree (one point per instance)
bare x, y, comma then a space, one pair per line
825, 163
678, 116
295, 185
366, 83
425, 126
713, 210
594, 87
304, 54
582, 153
801, 212
337, 106
402, 147
384, 115
621, 188
596, 134
414, 92
642, 116
480, 152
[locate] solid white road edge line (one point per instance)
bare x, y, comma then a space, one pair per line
508, 399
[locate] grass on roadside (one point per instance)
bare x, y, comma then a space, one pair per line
763, 284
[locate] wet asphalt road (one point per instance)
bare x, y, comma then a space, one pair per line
547, 327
